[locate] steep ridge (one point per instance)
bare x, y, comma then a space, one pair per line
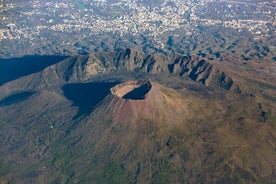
126, 60
193, 67
81, 68
197, 70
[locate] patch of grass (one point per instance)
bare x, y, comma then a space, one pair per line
164, 172
160, 178
113, 172
270, 116
4, 168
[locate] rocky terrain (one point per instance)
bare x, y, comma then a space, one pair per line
130, 117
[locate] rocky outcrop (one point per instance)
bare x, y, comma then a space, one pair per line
129, 60
126, 60
197, 70
225, 81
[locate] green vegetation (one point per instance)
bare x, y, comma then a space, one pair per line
164, 172
112, 172
267, 115
4, 168
161, 178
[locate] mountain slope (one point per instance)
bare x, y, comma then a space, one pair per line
124, 139
100, 119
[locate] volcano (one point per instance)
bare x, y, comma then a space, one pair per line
110, 118
143, 99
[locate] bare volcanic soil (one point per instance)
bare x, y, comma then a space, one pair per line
136, 100
132, 90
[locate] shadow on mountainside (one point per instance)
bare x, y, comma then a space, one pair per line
16, 98
86, 95
14, 68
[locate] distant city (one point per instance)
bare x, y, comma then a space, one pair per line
37, 23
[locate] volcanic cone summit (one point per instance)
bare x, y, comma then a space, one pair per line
142, 99
132, 90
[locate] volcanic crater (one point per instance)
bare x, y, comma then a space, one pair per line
132, 90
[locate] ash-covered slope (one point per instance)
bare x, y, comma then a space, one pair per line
143, 100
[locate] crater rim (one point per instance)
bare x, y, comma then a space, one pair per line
132, 90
